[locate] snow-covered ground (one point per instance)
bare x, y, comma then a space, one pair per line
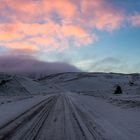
103, 83
70, 106
11, 110
15, 85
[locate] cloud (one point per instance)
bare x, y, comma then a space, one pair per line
101, 15
108, 64
134, 20
110, 60
21, 46
26, 65
49, 36
50, 26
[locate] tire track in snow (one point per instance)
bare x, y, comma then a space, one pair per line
56, 118
13, 127
86, 125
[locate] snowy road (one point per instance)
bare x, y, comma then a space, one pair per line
68, 116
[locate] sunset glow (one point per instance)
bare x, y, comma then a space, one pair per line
81, 30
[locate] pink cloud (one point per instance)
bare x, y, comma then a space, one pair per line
30, 10
107, 21
47, 36
45, 25
21, 46
21, 10
98, 12
2, 6
134, 20
5, 36
101, 15
64, 8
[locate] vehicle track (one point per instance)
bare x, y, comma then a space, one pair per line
85, 122
55, 118
12, 128
34, 129
66, 122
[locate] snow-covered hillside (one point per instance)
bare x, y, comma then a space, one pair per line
70, 106
96, 82
11, 85
16, 85
83, 83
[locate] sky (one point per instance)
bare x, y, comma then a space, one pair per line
85, 35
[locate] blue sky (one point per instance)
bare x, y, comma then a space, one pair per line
93, 35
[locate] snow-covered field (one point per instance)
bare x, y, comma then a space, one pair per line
70, 106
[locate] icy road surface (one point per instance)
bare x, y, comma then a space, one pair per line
69, 116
